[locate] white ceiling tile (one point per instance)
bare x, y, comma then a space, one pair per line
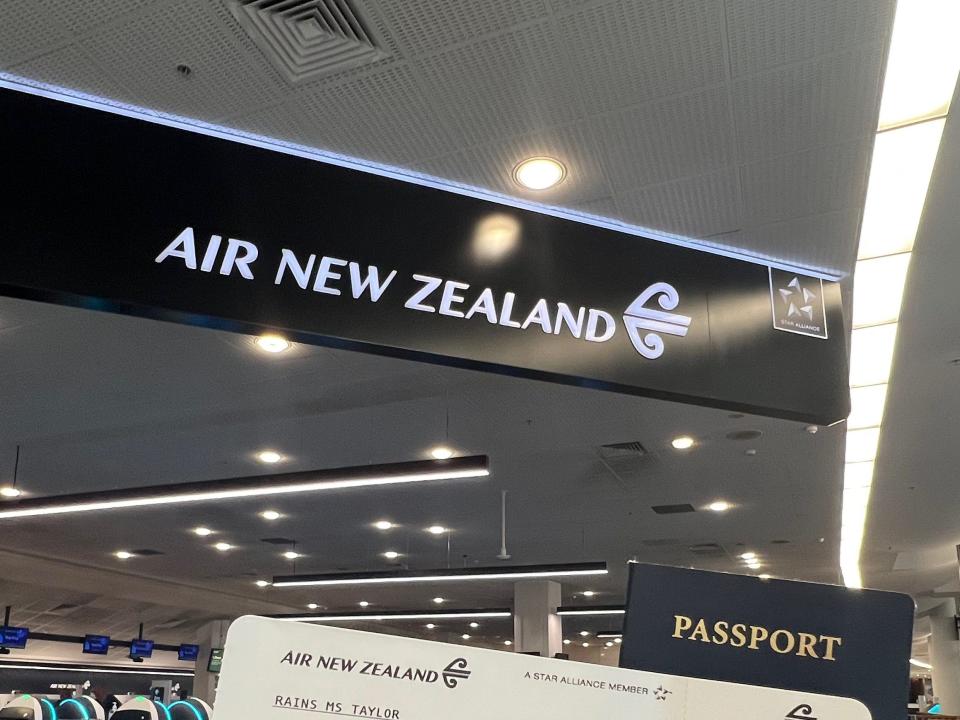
72, 67
694, 207
805, 183
426, 25
491, 166
229, 74
627, 52
381, 115
25, 32
500, 86
80, 17
664, 140
824, 241
765, 33
827, 100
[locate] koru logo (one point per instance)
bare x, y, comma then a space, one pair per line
798, 305
638, 317
661, 693
455, 672
801, 712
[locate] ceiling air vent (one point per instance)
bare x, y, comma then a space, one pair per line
625, 448
708, 549
145, 552
309, 39
672, 509
278, 541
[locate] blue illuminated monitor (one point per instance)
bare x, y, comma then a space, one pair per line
141, 648
96, 644
14, 637
188, 652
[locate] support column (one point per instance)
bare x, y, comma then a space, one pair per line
211, 635
536, 625
945, 658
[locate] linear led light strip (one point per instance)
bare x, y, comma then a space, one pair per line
432, 576
397, 616
68, 669
256, 486
920, 78
591, 611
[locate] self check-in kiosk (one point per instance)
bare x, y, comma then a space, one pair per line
190, 709
80, 708
141, 708
29, 707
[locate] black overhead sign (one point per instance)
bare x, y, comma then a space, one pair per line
777, 633
117, 213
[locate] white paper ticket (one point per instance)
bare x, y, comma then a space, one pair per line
278, 670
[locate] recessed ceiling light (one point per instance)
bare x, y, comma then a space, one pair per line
123, 554
539, 173
618, 640
609, 644
588, 593
465, 636
9, 492
263, 583
391, 554
718, 506
586, 644
764, 576
438, 600
474, 625
441, 452
312, 606
269, 457
684, 442
292, 555
272, 343
223, 547
202, 531
364, 603
430, 626
748, 556
567, 642
584, 633
436, 530
383, 525
270, 515
508, 642
753, 564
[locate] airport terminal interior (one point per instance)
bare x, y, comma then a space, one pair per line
813, 137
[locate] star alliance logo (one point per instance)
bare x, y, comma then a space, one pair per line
661, 693
798, 305
637, 317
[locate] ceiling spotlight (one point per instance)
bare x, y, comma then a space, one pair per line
383, 525
270, 515
8, 491
586, 644
753, 564
391, 554
436, 530
202, 531
584, 633
269, 457
438, 600
441, 452
272, 343
718, 506
263, 583
508, 642
223, 547
764, 576
312, 606
812, 429
588, 593
123, 554
567, 642
430, 626
618, 640
364, 603
292, 555
684, 442
465, 636
474, 625
609, 644
539, 173
748, 556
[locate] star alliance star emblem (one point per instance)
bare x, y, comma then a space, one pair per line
797, 299
797, 303
661, 693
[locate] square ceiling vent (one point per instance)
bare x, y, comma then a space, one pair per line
309, 39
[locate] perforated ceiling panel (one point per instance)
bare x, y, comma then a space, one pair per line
743, 123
